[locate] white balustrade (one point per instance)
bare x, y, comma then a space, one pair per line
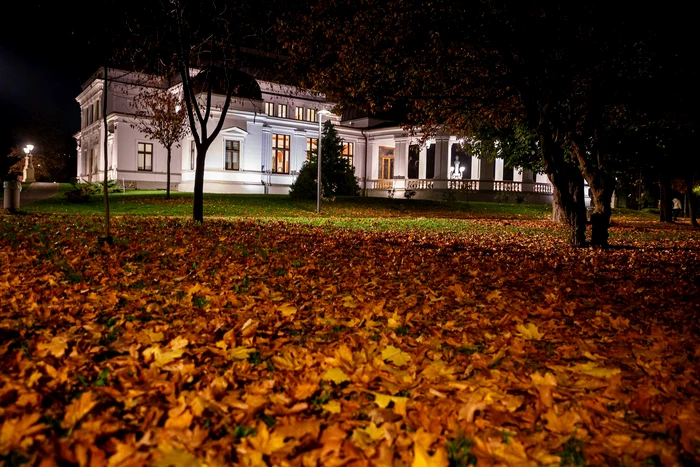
507, 185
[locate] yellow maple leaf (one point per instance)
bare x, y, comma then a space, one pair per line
124, 454
178, 343
331, 406
394, 321
15, 429
179, 419
77, 409
591, 369
421, 458
396, 356
365, 437
240, 353
349, 302
57, 347
383, 402
437, 370
564, 423
544, 385
266, 442
173, 457
163, 358
494, 295
336, 375
287, 309
529, 331
154, 336
304, 390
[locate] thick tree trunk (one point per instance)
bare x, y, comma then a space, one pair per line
600, 218
569, 196
567, 181
665, 206
167, 189
691, 201
558, 214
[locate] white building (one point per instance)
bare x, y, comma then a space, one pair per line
264, 142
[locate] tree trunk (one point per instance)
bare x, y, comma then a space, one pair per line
167, 189
600, 217
198, 206
108, 231
569, 197
567, 181
558, 214
665, 206
691, 201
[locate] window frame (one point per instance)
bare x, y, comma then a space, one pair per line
232, 166
311, 144
193, 155
269, 108
299, 113
145, 153
282, 110
350, 157
310, 115
286, 151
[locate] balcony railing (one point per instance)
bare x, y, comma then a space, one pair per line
507, 185
463, 185
422, 184
544, 188
459, 185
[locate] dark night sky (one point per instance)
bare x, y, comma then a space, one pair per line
44, 59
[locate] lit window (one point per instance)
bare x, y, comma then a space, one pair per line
311, 115
311, 145
270, 109
349, 152
233, 153
299, 113
280, 154
282, 111
145, 156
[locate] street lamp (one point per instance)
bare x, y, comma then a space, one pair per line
28, 173
320, 138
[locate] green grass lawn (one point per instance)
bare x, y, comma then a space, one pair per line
353, 213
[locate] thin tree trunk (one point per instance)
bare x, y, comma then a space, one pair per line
691, 201
198, 205
665, 208
108, 234
167, 189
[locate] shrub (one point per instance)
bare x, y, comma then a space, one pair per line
501, 198
81, 192
409, 194
520, 198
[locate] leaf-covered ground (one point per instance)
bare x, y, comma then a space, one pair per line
281, 344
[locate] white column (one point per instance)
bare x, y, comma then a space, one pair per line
401, 158
266, 148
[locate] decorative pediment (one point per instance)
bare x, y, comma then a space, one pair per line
234, 131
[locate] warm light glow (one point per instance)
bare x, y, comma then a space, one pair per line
26, 150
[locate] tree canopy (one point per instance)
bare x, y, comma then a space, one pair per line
559, 71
